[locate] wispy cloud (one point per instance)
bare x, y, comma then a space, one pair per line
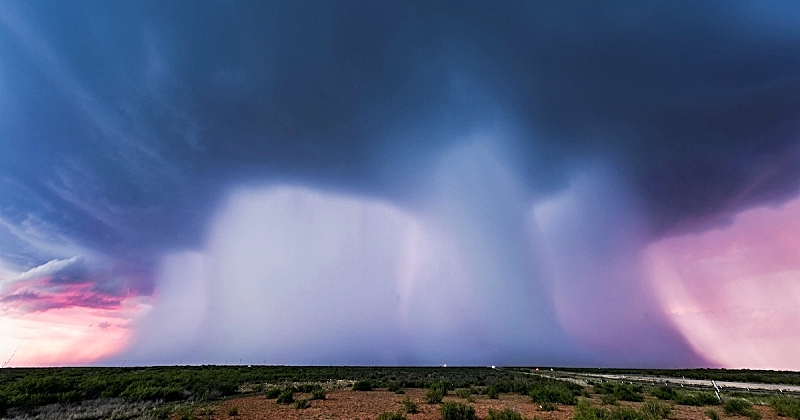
49, 268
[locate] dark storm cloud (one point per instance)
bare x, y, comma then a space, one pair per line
698, 102
123, 123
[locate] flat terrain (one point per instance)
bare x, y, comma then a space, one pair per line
367, 406
240, 392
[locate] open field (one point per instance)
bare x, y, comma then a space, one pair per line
280, 392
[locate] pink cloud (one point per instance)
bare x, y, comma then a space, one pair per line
41, 294
56, 323
734, 292
69, 336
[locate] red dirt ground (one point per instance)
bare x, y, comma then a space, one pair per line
367, 406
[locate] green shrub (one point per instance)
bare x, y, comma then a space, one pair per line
434, 396
492, 392
711, 414
786, 406
466, 393
738, 406
273, 393
388, 415
663, 393
547, 406
505, 414
552, 394
440, 386
603, 387
649, 410
697, 399
742, 407
625, 413
654, 410
409, 406
185, 413
362, 386
585, 411
624, 392
305, 388
608, 399
628, 393
463, 392
452, 410
233, 411
317, 394
285, 397
141, 392
302, 404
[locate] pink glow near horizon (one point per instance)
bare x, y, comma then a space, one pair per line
47, 324
734, 292
76, 335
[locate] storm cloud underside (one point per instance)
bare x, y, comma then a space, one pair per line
400, 184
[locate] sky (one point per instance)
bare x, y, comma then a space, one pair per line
400, 183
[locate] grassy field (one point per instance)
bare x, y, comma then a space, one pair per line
158, 392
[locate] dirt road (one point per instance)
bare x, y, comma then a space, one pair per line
684, 381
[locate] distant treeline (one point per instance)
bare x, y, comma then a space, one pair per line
734, 375
31, 387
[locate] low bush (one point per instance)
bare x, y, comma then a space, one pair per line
388, 415
625, 413
504, 414
624, 392
434, 396
697, 399
394, 387
608, 399
663, 393
628, 393
711, 414
302, 404
547, 406
466, 393
741, 407
140, 392
362, 386
492, 392
553, 394
654, 410
452, 410
649, 410
409, 406
603, 387
317, 394
585, 411
273, 393
441, 386
463, 392
233, 411
786, 406
305, 388
285, 397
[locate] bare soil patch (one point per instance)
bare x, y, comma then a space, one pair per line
367, 405
346, 404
